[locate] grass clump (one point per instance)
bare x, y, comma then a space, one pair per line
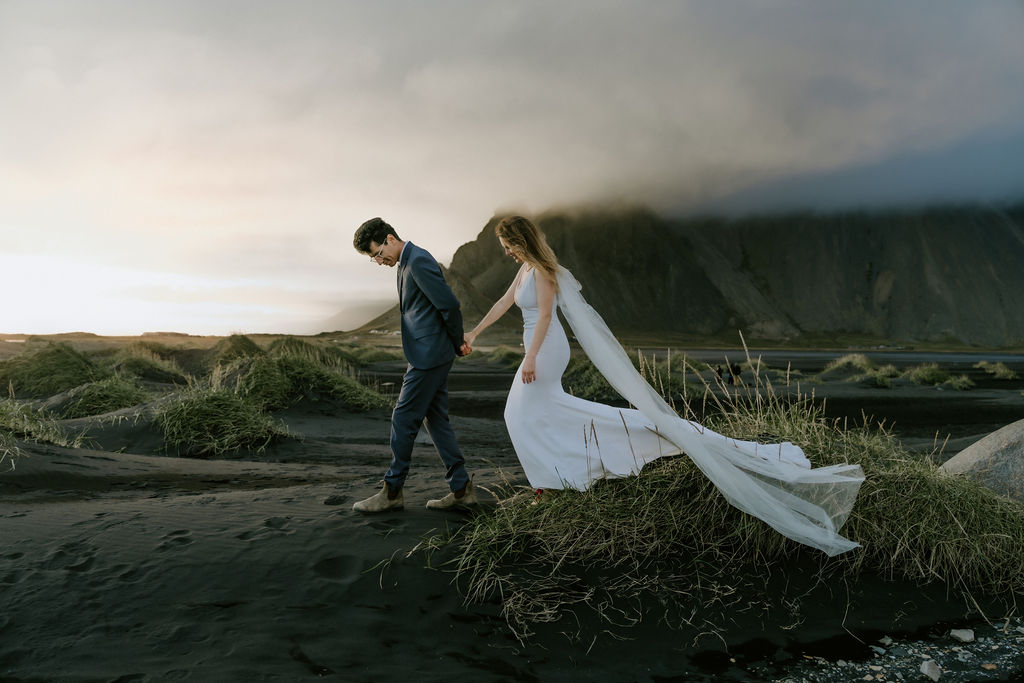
9, 451
856, 363
668, 538
365, 355
47, 371
506, 356
959, 382
140, 360
857, 367
103, 396
582, 379
928, 373
325, 355
997, 370
277, 382
21, 421
214, 422
232, 348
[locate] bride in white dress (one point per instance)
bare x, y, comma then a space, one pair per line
566, 442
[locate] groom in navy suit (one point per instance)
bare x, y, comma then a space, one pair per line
432, 337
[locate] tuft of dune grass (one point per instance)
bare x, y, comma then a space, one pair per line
279, 381
215, 422
997, 370
373, 354
667, 536
928, 373
21, 421
46, 371
103, 396
857, 367
140, 360
233, 347
326, 355
229, 410
507, 356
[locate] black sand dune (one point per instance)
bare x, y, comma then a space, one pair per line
141, 566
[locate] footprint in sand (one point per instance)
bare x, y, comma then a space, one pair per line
175, 539
269, 524
72, 557
336, 500
345, 568
132, 574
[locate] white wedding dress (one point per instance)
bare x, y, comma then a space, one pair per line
567, 442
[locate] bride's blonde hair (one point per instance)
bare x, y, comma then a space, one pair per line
523, 237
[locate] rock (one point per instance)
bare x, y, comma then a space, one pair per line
930, 669
887, 641
877, 650
996, 461
964, 635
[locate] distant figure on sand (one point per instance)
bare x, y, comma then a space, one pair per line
566, 442
431, 339
734, 373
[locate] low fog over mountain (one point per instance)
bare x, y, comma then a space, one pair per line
951, 274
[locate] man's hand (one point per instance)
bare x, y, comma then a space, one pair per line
465, 349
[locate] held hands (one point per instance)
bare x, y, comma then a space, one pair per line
467, 344
529, 369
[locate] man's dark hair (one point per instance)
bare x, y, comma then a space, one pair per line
373, 230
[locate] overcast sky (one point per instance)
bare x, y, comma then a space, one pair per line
201, 166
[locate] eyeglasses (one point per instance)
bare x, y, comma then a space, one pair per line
380, 253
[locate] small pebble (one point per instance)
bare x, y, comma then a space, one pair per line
930, 669
877, 650
963, 635
887, 641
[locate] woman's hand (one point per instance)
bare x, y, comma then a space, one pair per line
529, 369
469, 338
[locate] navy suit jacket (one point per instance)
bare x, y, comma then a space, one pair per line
431, 318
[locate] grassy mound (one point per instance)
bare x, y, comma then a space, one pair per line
276, 382
582, 379
928, 373
141, 360
232, 348
103, 396
506, 356
365, 355
931, 374
9, 451
18, 420
997, 370
857, 367
215, 422
667, 537
48, 371
326, 355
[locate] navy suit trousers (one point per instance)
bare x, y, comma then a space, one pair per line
424, 400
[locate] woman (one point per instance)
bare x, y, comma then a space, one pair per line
563, 441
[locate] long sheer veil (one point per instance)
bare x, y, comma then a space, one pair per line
804, 504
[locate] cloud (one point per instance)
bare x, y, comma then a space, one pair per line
223, 140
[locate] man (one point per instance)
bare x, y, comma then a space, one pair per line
432, 337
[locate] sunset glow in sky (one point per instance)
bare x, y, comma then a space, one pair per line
200, 166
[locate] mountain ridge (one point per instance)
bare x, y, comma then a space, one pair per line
941, 274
